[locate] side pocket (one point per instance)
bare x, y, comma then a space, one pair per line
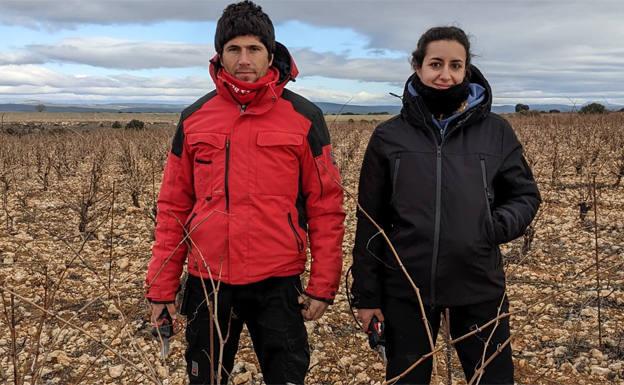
297, 236
207, 149
395, 173
202, 175
488, 206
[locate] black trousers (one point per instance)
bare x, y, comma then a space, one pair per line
273, 317
406, 340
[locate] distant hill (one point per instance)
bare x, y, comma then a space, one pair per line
335, 108
327, 108
127, 108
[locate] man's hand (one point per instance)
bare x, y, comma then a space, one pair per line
157, 309
366, 315
312, 309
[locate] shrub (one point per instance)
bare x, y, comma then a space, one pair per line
135, 124
116, 124
593, 108
521, 107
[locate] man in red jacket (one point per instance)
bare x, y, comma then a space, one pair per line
249, 180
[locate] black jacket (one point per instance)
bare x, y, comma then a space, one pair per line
445, 203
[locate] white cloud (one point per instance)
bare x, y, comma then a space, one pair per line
32, 81
124, 54
27, 81
20, 57
343, 97
53, 15
333, 65
527, 49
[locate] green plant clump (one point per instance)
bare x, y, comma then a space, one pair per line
135, 124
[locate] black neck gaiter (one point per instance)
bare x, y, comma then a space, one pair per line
442, 103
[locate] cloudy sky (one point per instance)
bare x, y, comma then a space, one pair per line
95, 51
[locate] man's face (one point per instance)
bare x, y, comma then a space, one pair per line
246, 58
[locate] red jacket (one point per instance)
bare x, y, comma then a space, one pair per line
251, 187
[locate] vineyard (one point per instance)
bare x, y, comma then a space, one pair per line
77, 205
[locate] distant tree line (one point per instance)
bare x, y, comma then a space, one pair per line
592, 108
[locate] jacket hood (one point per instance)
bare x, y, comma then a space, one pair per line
414, 109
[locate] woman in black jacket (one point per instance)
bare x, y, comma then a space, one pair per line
447, 181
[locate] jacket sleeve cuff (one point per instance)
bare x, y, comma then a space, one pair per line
326, 300
160, 302
360, 302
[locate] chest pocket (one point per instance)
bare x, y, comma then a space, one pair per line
208, 159
278, 163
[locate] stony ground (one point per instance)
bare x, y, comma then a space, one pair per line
72, 309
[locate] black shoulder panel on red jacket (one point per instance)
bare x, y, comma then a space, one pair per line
318, 136
178, 138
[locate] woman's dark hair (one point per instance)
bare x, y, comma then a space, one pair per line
440, 33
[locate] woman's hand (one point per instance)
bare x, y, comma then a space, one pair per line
366, 315
157, 309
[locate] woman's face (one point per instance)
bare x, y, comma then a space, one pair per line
444, 64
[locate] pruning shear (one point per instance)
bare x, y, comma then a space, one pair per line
164, 331
376, 337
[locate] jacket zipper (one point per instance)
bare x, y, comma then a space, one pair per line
438, 207
297, 237
438, 204
187, 227
486, 191
436, 235
189, 220
227, 172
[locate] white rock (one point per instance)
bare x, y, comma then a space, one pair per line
123, 263
251, 368
242, 378
567, 367
238, 367
362, 378
115, 371
310, 327
314, 359
597, 354
595, 369
587, 312
163, 372
61, 357
378, 366
84, 359
560, 351
112, 309
345, 362
19, 276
